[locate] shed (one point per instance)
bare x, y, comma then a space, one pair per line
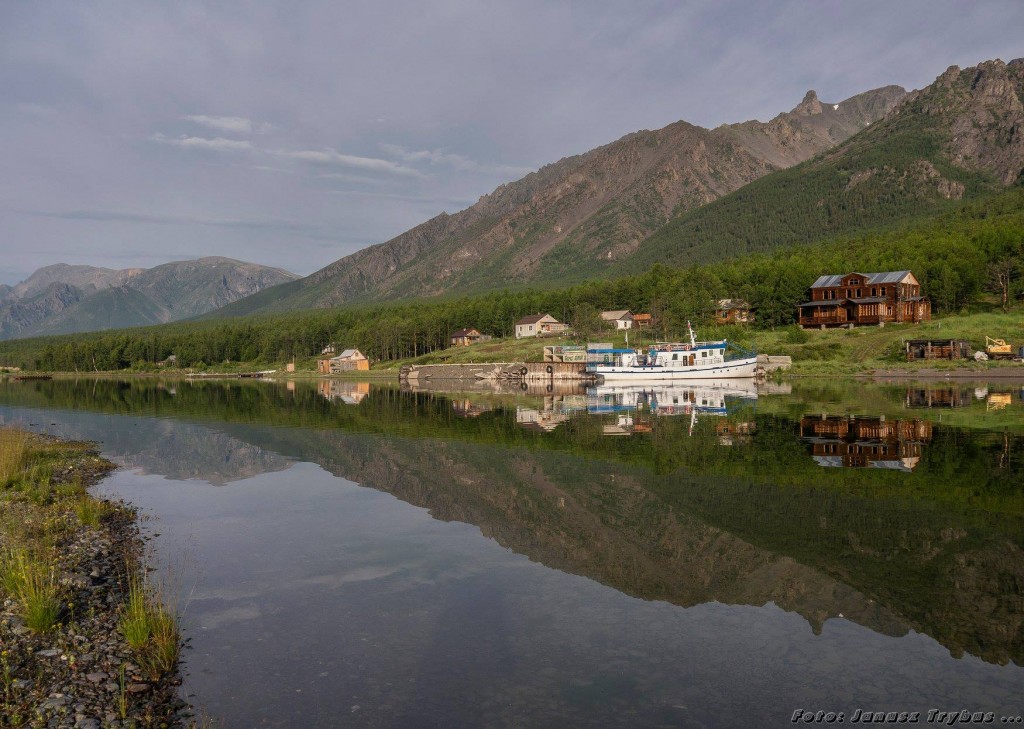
937, 349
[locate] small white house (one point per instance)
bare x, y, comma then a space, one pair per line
538, 325
622, 319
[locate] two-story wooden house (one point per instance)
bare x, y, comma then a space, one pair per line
853, 299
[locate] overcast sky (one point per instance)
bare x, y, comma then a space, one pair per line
294, 133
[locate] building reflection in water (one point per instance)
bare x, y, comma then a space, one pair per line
350, 393
865, 442
944, 396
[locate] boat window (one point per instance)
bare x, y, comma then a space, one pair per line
704, 353
675, 356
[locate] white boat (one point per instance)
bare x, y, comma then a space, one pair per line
691, 360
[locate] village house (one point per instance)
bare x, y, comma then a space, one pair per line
348, 361
620, 319
848, 300
466, 337
733, 311
539, 325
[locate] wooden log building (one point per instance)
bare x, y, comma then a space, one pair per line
854, 299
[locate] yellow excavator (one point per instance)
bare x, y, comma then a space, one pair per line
998, 348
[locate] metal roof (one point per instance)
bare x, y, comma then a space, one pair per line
465, 332
833, 302
836, 279
870, 300
728, 304
613, 315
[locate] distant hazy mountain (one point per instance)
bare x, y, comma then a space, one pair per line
596, 207
60, 299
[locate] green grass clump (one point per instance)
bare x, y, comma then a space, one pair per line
90, 511
14, 450
151, 629
32, 582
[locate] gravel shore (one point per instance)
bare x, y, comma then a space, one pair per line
82, 674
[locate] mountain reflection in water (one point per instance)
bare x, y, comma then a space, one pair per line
729, 507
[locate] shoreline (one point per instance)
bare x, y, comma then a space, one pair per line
80, 671
999, 373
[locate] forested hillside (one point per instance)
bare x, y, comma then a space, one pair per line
960, 257
957, 139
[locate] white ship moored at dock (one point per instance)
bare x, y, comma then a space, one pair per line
691, 360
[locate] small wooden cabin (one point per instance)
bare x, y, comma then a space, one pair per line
465, 337
852, 299
350, 360
733, 311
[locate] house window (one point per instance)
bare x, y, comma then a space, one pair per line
874, 291
531, 327
883, 291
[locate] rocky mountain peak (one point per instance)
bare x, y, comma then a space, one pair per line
810, 104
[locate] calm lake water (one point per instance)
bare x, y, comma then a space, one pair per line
696, 556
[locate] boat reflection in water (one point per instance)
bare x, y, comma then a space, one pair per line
865, 442
630, 403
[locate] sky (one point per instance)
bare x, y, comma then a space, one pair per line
294, 133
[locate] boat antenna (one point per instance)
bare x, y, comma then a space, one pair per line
693, 339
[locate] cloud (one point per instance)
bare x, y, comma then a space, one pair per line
218, 144
458, 162
329, 156
433, 156
231, 124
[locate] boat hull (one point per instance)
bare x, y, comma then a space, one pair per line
746, 367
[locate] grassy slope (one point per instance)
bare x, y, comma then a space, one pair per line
834, 351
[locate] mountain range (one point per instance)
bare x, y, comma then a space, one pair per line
684, 194
62, 298
679, 195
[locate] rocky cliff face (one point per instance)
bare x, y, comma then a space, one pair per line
596, 206
61, 299
986, 104
19, 315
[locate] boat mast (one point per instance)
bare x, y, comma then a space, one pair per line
693, 339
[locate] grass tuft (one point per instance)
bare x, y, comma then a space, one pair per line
90, 511
33, 583
151, 629
14, 451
